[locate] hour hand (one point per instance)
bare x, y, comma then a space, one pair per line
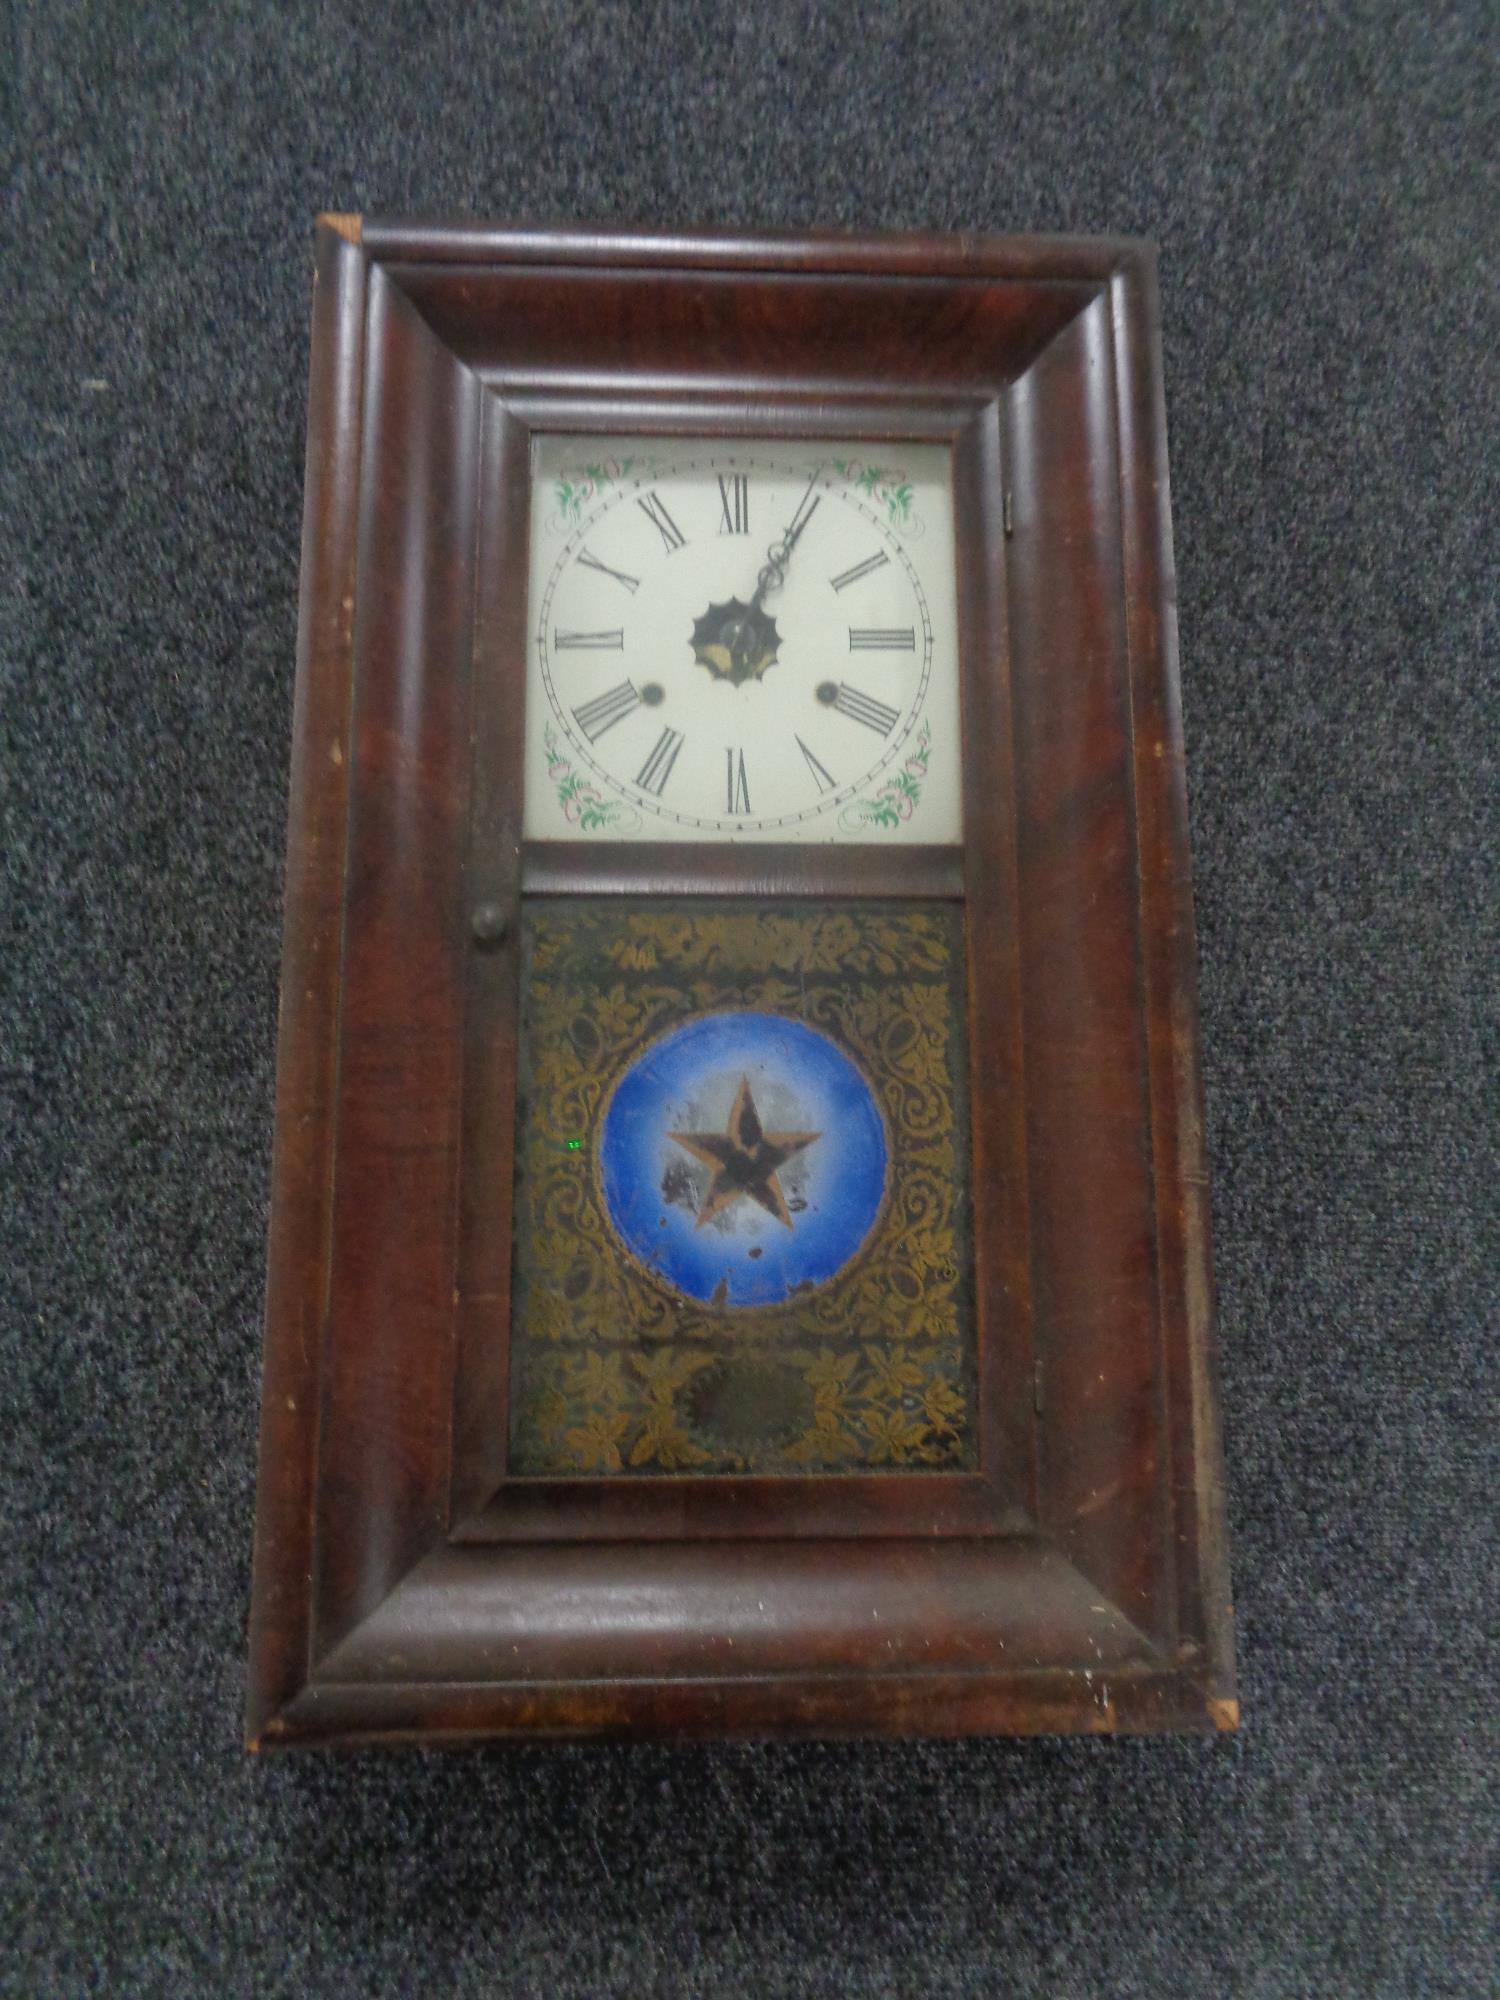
773, 574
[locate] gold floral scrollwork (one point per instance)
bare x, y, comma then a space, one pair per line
613, 1371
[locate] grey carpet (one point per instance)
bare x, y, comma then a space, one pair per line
1321, 181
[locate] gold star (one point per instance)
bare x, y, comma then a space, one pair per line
745, 1159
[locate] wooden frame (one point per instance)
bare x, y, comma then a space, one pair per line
405, 1585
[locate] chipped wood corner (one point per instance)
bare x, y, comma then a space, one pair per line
350, 227
1224, 1712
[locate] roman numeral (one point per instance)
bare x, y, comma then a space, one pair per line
734, 501
867, 568
737, 791
864, 708
586, 561
589, 642
654, 773
671, 535
823, 779
882, 639
605, 710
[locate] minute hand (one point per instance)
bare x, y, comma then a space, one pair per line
773, 572
772, 576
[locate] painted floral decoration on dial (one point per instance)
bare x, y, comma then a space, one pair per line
741, 640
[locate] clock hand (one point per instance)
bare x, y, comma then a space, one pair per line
772, 574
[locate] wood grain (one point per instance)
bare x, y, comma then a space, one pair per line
307, 1053
764, 870
387, 1371
1089, 1137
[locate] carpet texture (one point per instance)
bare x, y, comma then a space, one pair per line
1321, 181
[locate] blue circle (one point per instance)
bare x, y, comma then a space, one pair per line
686, 1223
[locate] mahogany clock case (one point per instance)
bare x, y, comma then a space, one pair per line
407, 1583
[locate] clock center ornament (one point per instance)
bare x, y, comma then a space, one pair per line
743, 1159
736, 642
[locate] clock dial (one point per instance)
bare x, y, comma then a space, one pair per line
741, 640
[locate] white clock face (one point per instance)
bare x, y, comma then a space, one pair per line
742, 640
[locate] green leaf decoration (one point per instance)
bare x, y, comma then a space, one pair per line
900, 795
589, 809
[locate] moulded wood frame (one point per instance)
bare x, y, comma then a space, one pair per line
406, 1586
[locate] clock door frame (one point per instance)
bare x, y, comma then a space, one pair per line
404, 1584
503, 869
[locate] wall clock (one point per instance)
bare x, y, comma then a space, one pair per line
738, 1253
